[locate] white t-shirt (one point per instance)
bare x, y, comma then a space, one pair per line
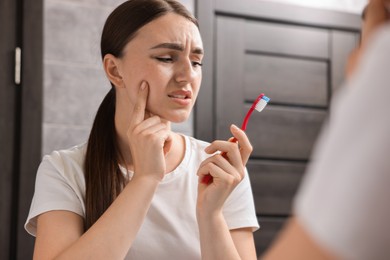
344, 201
170, 229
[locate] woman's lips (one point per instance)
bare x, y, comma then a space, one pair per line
178, 96
181, 97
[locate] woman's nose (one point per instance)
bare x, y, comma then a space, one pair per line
185, 72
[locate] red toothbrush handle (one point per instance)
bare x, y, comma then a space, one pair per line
207, 179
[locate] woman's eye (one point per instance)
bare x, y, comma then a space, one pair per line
196, 64
164, 59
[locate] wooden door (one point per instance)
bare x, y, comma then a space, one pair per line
295, 56
7, 121
20, 120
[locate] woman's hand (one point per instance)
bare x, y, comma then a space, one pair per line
149, 139
227, 171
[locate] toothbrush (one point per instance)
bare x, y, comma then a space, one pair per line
259, 104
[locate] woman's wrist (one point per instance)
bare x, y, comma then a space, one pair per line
207, 215
147, 179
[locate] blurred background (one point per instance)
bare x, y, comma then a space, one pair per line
292, 50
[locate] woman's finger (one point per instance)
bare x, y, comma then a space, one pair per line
153, 129
225, 166
147, 123
229, 150
138, 114
245, 148
245, 145
168, 143
217, 173
164, 135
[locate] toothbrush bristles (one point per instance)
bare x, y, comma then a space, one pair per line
262, 103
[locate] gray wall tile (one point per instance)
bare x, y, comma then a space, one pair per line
73, 93
59, 137
110, 3
189, 4
72, 32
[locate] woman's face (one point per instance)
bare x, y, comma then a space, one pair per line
167, 53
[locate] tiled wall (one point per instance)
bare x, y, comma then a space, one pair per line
352, 6
74, 81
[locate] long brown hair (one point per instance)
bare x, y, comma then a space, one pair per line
103, 178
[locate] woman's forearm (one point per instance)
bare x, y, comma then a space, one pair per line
215, 239
114, 232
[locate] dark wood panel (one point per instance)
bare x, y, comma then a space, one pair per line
269, 228
286, 80
7, 121
287, 39
274, 185
204, 109
271, 11
31, 132
280, 132
342, 44
229, 77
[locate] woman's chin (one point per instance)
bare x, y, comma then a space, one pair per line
176, 119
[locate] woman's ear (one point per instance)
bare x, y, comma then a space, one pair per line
112, 69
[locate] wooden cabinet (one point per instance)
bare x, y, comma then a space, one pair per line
296, 56
20, 121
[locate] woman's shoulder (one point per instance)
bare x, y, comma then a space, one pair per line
195, 149
196, 143
75, 153
65, 161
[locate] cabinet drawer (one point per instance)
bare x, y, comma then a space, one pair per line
290, 81
274, 185
287, 39
284, 132
269, 228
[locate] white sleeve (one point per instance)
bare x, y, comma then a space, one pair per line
343, 202
239, 210
52, 192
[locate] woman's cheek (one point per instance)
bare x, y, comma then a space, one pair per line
152, 103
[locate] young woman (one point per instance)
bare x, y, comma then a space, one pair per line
135, 189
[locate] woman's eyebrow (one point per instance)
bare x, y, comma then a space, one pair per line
177, 47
